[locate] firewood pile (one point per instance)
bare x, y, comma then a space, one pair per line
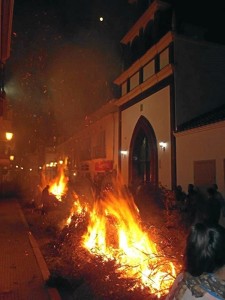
75, 271
80, 274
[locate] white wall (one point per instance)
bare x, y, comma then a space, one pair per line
204, 143
156, 108
108, 123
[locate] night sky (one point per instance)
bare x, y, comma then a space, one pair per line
63, 59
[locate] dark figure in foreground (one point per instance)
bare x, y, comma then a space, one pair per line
180, 198
218, 194
204, 273
220, 198
197, 206
191, 202
214, 206
45, 199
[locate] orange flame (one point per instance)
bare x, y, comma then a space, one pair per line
57, 185
115, 233
77, 208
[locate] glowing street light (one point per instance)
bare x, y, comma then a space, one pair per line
9, 136
163, 145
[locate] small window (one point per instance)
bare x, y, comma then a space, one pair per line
85, 153
124, 88
134, 81
164, 58
99, 149
149, 70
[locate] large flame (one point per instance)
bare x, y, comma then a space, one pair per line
78, 208
58, 185
115, 232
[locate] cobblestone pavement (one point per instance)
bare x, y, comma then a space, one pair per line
23, 271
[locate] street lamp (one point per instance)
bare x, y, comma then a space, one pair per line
9, 136
163, 145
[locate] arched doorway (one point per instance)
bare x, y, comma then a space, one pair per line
143, 159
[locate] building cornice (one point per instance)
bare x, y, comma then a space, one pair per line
162, 74
207, 127
143, 20
148, 56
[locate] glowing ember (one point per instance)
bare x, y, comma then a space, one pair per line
115, 233
77, 208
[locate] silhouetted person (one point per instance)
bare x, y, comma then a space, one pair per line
204, 269
191, 201
180, 198
221, 199
45, 199
214, 206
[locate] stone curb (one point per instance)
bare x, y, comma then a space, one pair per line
53, 292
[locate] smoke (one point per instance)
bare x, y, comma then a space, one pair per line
78, 82
61, 67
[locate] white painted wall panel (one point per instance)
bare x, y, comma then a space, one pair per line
206, 143
156, 108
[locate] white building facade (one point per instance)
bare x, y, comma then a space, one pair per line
201, 156
168, 79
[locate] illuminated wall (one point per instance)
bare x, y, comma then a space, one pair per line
202, 144
156, 109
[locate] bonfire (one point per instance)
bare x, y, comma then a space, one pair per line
115, 234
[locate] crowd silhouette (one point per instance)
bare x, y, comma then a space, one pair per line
198, 206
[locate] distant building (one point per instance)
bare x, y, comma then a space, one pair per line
6, 133
6, 141
94, 148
